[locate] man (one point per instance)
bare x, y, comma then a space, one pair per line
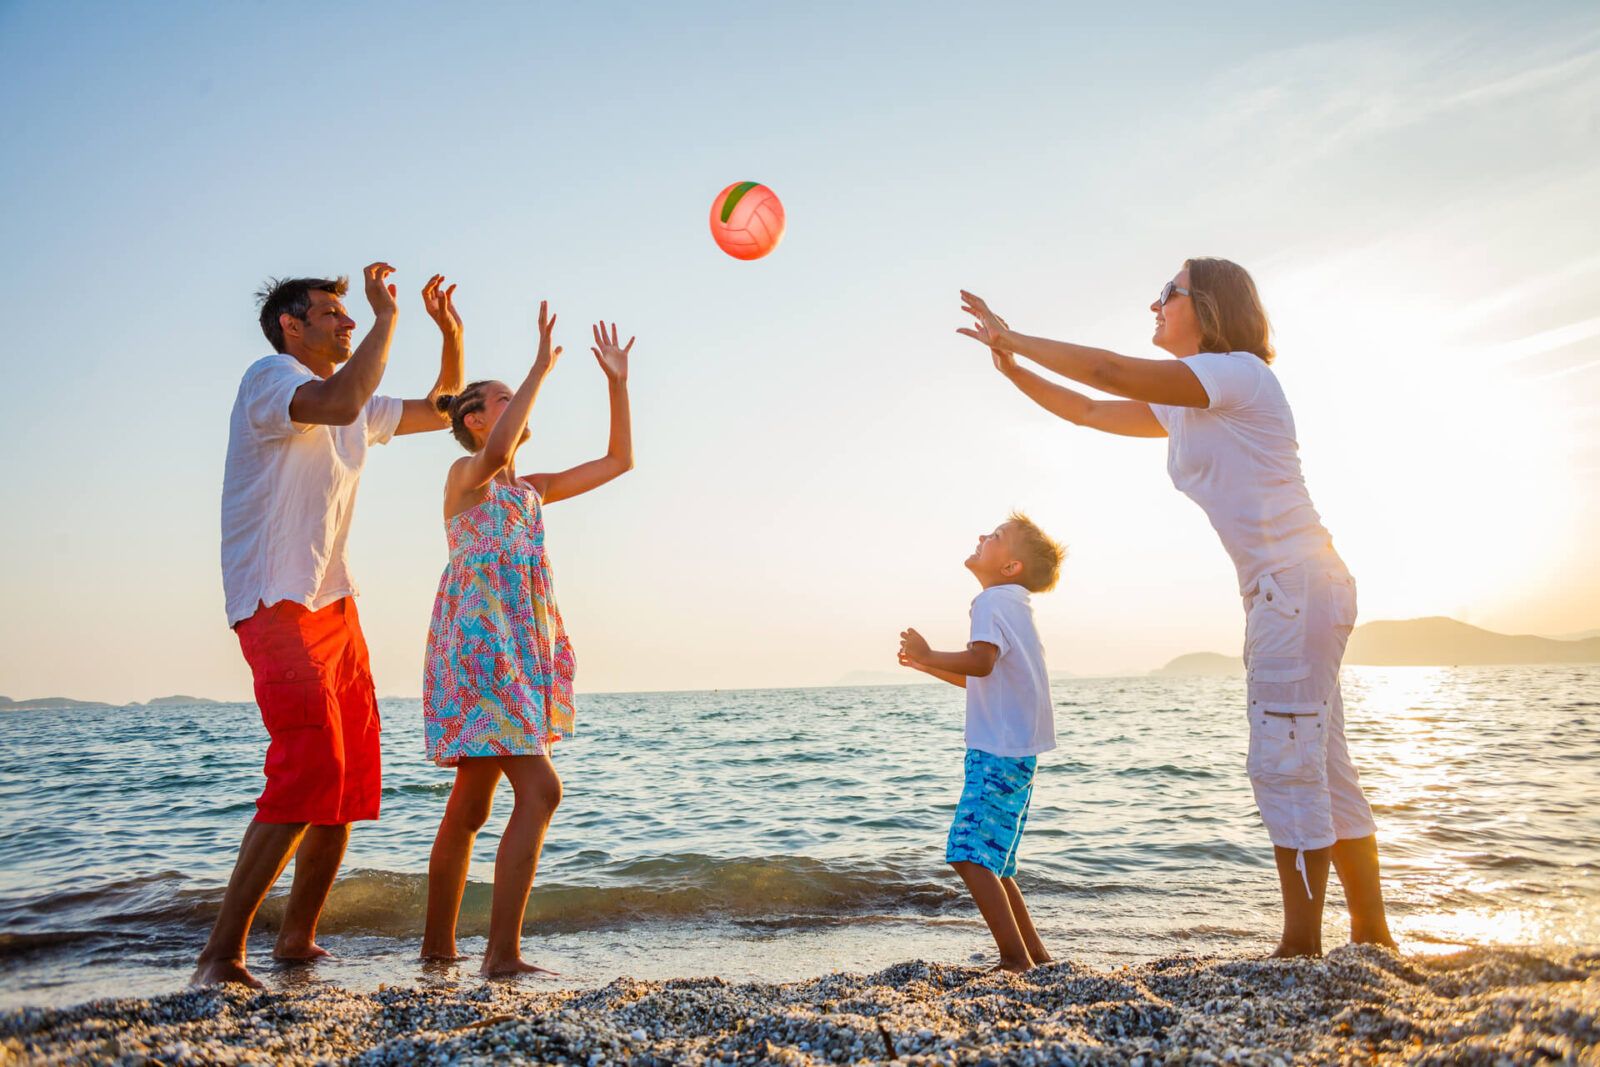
301, 425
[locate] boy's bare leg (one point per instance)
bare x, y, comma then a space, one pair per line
471, 799
1302, 914
1019, 911
316, 864
994, 903
263, 854
1356, 860
538, 790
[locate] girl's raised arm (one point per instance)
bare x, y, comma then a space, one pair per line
478, 469
613, 360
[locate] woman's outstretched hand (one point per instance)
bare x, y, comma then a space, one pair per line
441, 306
613, 358
547, 325
987, 327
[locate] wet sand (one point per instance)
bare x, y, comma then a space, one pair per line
1357, 1005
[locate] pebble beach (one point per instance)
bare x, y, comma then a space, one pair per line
1359, 1004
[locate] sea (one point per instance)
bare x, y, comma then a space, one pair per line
780, 834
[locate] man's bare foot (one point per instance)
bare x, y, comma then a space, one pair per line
511, 968
448, 954
223, 972
299, 951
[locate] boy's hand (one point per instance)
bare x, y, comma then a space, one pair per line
912, 646
379, 295
907, 661
547, 325
613, 358
441, 306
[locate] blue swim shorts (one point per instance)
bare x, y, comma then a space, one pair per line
992, 812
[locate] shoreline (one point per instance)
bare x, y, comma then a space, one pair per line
1359, 1002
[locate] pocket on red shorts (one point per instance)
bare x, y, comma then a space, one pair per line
296, 705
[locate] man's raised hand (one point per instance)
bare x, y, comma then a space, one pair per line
379, 293
613, 358
441, 306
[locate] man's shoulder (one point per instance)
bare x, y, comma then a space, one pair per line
275, 365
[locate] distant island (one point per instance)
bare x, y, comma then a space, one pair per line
1431, 642
68, 704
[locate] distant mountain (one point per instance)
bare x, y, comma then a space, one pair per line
1204, 664
1432, 642
1440, 642
43, 703
1583, 636
180, 698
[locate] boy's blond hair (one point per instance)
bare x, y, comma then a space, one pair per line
1040, 556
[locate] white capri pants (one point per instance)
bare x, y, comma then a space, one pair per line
1297, 622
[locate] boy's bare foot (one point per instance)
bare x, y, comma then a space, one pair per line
511, 968
302, 952
222, 972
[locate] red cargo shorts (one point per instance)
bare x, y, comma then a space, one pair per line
314, 686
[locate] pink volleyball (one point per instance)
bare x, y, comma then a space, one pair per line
747, 220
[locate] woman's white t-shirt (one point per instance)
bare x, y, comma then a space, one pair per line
1239, 460
289, 491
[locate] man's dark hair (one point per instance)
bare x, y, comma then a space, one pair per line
292, 295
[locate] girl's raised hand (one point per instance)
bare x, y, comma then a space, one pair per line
547, 325
613, 359
441, 306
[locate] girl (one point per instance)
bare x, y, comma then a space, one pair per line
1231, 448
497, 685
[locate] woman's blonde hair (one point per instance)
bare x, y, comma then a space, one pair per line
1228, 308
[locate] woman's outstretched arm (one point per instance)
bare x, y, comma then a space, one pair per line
1154, 381
1128, 418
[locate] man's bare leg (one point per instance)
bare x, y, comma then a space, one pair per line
1019, 911
1356, 860
994, 904
538, 791
263, 854
1302, 914
316, 864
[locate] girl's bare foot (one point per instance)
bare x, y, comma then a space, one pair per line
222, 972
511, 968
299, 952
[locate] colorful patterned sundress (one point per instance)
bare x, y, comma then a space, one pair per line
498, 675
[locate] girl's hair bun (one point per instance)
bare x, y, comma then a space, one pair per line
443, 402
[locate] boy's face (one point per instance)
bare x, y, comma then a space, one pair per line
995, 559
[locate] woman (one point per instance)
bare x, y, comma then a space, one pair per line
1231, 448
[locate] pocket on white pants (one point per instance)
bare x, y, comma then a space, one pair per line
1275, 633
1288, 743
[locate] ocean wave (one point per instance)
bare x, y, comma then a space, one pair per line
788, 891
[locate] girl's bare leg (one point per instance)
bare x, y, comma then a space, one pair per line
1019, 911
538, 790
465, 812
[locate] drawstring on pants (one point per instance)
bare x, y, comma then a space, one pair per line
1300, 865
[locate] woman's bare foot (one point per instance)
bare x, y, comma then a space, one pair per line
511, 968
299, 952
1286, 951
222, 972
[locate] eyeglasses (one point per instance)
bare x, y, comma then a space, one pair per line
1168, 291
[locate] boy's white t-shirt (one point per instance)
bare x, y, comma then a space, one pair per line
1239, 460
1009, 711
289, 491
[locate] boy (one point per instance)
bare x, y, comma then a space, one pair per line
1009, 722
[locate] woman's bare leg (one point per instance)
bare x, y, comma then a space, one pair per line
471, 798
1302, 914
1356, 860
538, 790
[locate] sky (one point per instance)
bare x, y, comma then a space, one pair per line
1412, 186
